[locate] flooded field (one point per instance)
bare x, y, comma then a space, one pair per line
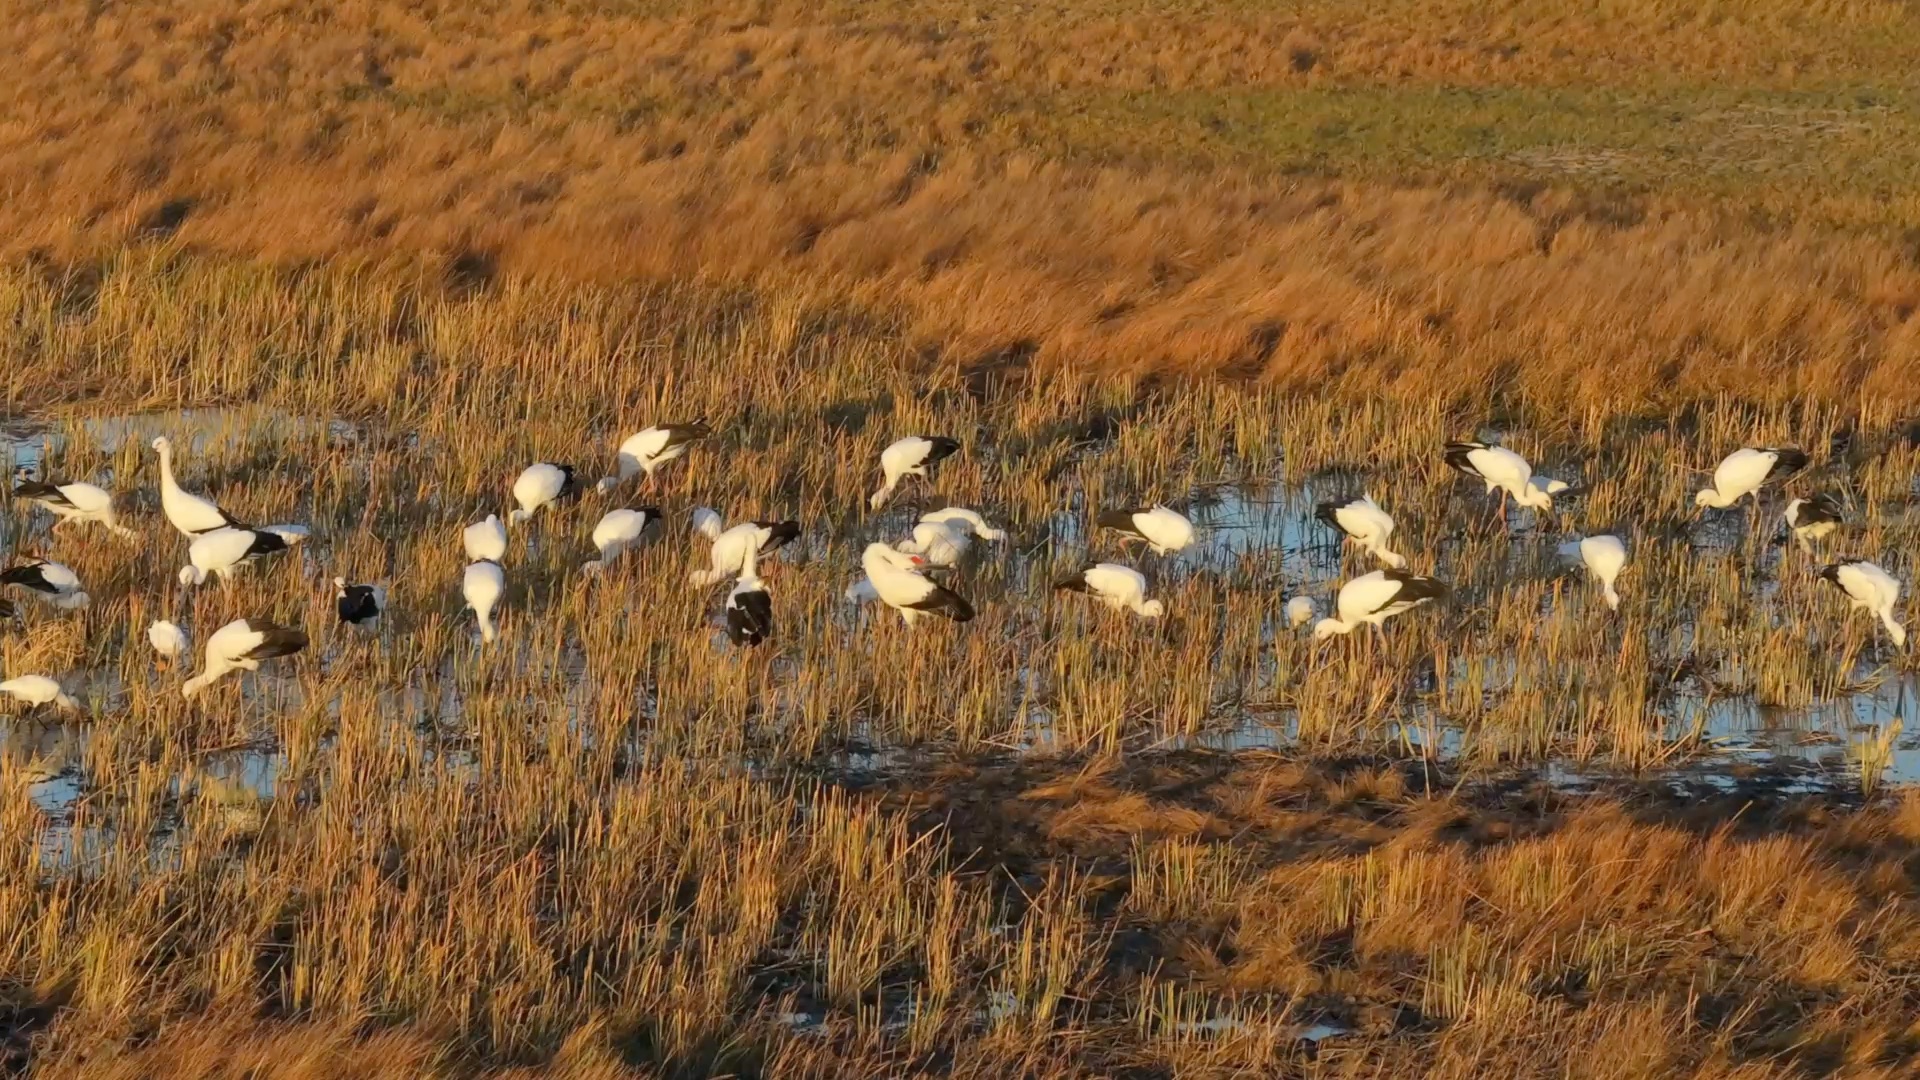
1513, 834
1495, 679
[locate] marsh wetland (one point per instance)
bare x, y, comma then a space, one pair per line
1052, 840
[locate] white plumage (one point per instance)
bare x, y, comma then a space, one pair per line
223, 552
485, 540
185, 511
538, 485
1604, 557
75, 502
1871, 589
240, 646
943, 537
896, 581
37, 690
861, 592
1119, 587
1301, 610
168, 640
52, 582
967, 520
650, 448
1504, 471
1365, 524
911, 456
1812, 519
732, 548
1162, 529
617, 531
1745, 472
482, 586
941, 543
1374, 598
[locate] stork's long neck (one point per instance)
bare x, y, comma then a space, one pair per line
167, 484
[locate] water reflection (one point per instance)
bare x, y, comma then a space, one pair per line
1262, 532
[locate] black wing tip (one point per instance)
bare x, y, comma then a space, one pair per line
276, 640
1117, 519
1419, 586
1787, 460
27, 574
946, 602
34, 489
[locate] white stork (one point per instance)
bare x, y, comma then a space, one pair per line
1501, 470
749, 608
1872, 589
167, 639
223, 552
538, 485
1121, 588
1745, 472
967, 520
359, 605
1812, 519
733, 547
911, 456
69, 503
37, 691
617, 531
1365, 524
50, 581
1604, 557
1162, 529
185, 511
1374, 598
240, 646
897, 582
1300, 611
648, 449
485, 540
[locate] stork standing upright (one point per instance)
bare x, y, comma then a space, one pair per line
185, 511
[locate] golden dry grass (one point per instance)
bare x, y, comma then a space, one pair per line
1422, 196
612, 846
1061, 920
1634, 237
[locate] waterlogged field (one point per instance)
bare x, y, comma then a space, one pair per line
363, 262
1053, 841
